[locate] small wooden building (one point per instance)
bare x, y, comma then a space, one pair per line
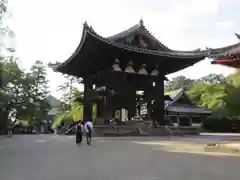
180, 111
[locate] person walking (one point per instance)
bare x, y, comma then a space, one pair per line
79, 133
88, 127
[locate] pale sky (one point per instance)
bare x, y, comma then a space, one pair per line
50, 30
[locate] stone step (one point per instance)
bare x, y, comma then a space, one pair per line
156, 132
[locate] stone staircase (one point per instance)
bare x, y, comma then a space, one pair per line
115, 130
130, 129
137, 128
151, 131
182, 130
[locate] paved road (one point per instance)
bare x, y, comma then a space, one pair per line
46, 157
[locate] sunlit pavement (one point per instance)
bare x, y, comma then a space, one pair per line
221, 134
49, 157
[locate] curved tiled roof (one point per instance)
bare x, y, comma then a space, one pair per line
226, 51
170, 53
184, 108
138, 27
173, 93
88, 30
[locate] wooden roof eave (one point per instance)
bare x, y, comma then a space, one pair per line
197, 110
218, 51
176, 54
82, 41
225, 55
178, 96
227, 62
225, 58
223, 51
197, 55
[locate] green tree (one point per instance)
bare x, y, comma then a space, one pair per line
37, 91
232, 101
213, 79
178, 83
70, 109
233, 92
6, 53
234, 79
11, 90
22, 94
211, 96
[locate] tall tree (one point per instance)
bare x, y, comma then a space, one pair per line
178, 83
212, 79
6, 53
37, 91
11, 90
68, 89
233, 94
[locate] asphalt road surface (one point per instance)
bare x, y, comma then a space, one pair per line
48, 157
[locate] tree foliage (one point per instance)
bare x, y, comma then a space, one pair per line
22, 94
36, 91
213, 91
178, 82
72, 108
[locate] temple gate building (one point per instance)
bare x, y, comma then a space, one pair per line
114, 68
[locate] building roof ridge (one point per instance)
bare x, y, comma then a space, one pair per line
185, 54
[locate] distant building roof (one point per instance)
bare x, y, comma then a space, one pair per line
54, 102
173, 93
181, 103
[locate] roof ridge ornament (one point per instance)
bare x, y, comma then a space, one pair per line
92, 30
141, 23
237, 35
85, 25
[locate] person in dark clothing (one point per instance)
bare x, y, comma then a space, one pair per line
79, 133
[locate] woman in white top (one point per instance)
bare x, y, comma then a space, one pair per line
88, 127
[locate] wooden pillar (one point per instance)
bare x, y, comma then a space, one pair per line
107, 106
98, 104
87, 102
131, 102
100, 107
159, 87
